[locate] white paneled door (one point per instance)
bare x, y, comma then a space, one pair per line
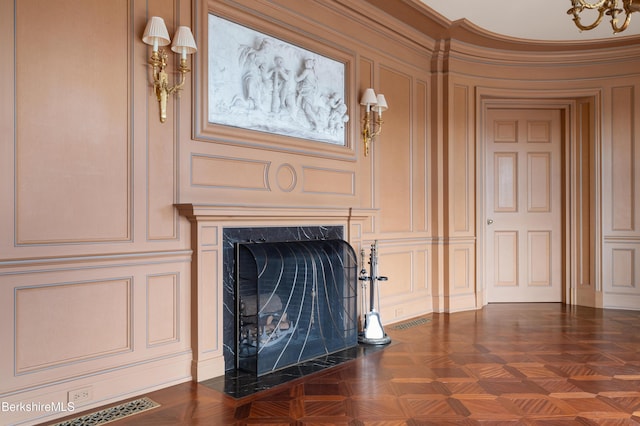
523, 205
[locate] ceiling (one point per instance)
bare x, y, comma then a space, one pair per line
529, 19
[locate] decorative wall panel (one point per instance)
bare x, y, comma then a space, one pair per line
161, 182
209, 316
73, 150
398, 266
392, 150
423, 272
462, 269
84, 320
233, 173
623, 195
621, 283
460, 162
623, 269
420, 163
163, 314
328, 181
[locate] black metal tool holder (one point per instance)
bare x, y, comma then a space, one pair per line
366, 337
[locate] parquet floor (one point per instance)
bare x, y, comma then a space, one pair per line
508, 364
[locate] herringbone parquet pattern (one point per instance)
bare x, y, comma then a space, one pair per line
524, 364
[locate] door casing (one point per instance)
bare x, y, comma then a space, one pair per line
567, 103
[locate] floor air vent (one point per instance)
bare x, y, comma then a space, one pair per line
410, 324
111, 414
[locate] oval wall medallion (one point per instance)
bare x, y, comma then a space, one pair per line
286, 177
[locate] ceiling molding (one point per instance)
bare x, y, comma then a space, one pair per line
419, 16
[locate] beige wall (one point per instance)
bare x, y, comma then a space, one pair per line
105, 285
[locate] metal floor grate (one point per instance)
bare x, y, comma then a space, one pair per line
410, 324
111, 414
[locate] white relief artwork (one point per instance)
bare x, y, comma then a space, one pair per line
261, 83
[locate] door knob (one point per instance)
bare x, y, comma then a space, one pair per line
489, 221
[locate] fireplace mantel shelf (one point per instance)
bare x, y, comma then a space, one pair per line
269, 213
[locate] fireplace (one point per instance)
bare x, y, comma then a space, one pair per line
215, 231
295, 301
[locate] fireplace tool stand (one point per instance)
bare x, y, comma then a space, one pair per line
372, 333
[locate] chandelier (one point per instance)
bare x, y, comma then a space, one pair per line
604, 7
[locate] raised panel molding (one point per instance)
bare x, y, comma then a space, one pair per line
318, 180
505, 131
408, 265
506, 258
460, 162
231, 173
392, 151
623, 273
461, 268
505, 182
623, 191
73, 149
539, 253
539, 182
84, 320
163, 309
398, 267
421, 157
210, 302
538, 131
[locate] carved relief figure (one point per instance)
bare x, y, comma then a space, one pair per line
307, 92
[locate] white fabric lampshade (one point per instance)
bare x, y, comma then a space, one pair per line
381, 104
183, 41
369, 97
156, 34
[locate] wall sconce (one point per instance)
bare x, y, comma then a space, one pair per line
155, 34
372, 126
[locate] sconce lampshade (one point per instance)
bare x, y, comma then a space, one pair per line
369, 97
156, 34
381, 104
183, 42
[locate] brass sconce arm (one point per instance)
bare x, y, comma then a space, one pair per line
372, 126
156, 35
370, 129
